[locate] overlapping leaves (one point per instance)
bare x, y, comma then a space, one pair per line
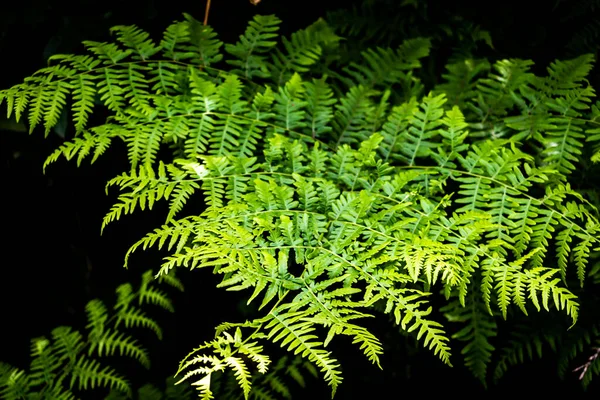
324, 199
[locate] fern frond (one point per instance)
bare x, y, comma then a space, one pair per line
151, 188
152, 295
43, 364
301, 51
89, 373
460, 84
479, 328
95, 142
68, 344
136, 40
424, 127
297, 336
83, 96
177, 232
394, 129
137, 318
250, 51
350, 121
110, 342
14, 383
68, 361
381, 66
204, 47
564, 140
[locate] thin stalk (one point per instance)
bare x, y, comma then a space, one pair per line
206, 10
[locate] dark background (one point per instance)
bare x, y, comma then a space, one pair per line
54, 259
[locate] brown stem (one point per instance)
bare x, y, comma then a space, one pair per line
584, 368
206, 12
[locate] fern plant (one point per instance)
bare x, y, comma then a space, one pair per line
70, 361
334, 193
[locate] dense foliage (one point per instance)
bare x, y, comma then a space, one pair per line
338, 187
73, 357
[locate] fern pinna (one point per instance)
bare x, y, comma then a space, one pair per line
333, 191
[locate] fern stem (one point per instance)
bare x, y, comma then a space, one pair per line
206, 11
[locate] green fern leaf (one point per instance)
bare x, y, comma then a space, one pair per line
250, 50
